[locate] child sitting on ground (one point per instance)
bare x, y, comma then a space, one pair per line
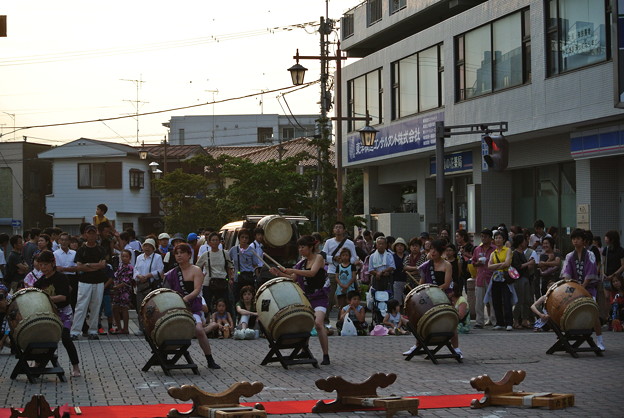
345, 277
393, 320
616, 300
246, 313
463, 310
120, 293
223, 319
355, 312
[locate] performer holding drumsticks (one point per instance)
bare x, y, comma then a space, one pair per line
310, 274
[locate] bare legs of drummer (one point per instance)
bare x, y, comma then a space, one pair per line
319, 325
202, 339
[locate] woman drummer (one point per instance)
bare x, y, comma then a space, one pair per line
187, 280
56, 285
310, 274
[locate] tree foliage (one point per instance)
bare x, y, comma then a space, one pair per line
229, 189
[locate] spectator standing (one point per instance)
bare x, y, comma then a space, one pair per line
4, 240
30, 247
147, 275
245, 263
522, 310
501, 293
91, 262
400, 255
481, 259
16, 267
65, 259
465, 250
218, 273
332, 258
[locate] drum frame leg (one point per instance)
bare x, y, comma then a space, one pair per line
175, 348
423, 344
570, 341
42, 354
298, 342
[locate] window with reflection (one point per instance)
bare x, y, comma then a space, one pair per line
365, 93
494, 57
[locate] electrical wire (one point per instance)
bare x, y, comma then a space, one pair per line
291, 88
71, 55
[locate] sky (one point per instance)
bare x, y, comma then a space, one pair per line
74, 60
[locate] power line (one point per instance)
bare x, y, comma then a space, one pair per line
290, 88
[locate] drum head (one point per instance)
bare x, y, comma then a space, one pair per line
580, 314
292, 319
175, 324
38, 328
438, 319
163, 300
277, 230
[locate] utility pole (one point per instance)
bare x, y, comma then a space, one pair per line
137, 103
215, 91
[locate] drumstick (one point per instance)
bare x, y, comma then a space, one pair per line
410, 274
269, 257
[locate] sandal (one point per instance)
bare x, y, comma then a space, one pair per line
114, 332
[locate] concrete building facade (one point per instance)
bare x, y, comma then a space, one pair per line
548, 68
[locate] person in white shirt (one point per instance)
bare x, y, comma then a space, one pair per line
332, 259
4, 240
66, 264
124, 244
148, 274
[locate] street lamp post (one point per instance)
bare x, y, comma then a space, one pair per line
367, 134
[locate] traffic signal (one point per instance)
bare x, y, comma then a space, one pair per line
497, 157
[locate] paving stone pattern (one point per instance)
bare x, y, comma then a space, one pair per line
111, 373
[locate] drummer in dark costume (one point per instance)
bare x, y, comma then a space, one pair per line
310, 274
187, 280
56, 285
437, 271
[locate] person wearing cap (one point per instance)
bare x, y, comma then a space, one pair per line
148, 272
163, 244
191, 239
169, 259
400, 255
480, 260
91, 262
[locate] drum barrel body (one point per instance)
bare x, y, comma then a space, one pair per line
166, 317
278, 231
571, 306
33, 318
283, 308
430, 311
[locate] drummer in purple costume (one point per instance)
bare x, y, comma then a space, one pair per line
187, 280
580, 266
310, 274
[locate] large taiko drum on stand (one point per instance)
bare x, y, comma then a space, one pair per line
571, 306
283, 308
430, 311
166, 317
277, 230
33, 318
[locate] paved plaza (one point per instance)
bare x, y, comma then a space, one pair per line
112, 375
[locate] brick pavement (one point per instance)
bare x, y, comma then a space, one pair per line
112, 373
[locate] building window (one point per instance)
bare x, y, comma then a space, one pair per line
494, 57
365, 93
577, 34
396, 5
346, 26
265, 135
99, 175
417, 82
137, 179
373, 11
288, 133
181, 136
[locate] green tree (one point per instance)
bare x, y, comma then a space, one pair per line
354, 199
324, 204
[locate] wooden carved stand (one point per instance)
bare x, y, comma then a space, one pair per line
38, 407
576, 337
363, 396
298, 342
41, 354
175, 348
437, 340
501, 393
218, 405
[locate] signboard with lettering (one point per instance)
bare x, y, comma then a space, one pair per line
582, 216
456, 162
413, 134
